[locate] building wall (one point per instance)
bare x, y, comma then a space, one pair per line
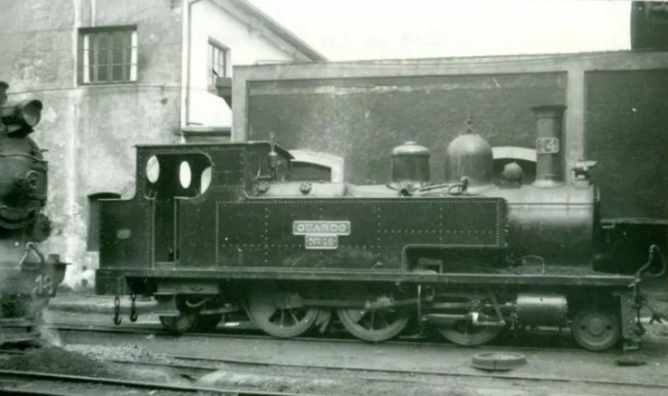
246, 46
627, 120
90, 131
361, 120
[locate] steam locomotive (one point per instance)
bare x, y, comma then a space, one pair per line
219, 228
28, 279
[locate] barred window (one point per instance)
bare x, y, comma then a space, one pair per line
217, 62
108, 55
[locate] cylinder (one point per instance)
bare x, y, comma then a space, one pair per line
549, 145
541, 309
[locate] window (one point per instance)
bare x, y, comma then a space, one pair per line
108, 55
217, 62
93, 242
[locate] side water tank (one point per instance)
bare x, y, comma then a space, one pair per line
410, 165
469, 155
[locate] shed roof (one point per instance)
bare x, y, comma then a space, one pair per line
271, 29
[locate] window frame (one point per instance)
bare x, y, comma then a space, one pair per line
213, 45
82, 57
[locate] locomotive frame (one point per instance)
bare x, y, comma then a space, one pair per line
250, 241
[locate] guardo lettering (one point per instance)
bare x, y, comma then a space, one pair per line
321, 227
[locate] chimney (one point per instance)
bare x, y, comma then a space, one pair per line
549, 145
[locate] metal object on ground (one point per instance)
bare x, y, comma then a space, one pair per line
498, 361
631, 360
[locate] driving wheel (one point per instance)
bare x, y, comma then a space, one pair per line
373, 326
270, 310
466, 334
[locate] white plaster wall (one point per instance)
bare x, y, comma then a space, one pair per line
246, 47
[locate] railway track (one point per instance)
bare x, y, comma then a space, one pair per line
27, 378
196, 366
546, 340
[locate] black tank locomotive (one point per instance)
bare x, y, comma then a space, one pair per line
28, 279
216, 228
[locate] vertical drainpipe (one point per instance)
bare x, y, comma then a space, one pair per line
70, 149
185, 62
92, 13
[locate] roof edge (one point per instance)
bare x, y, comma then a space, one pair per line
279, 30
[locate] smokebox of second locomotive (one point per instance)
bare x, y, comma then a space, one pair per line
410, 164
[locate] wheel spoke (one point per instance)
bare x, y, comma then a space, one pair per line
294, 317
282, 318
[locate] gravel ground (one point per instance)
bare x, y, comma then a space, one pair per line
57, 361
132, 353
87, 351
91, 361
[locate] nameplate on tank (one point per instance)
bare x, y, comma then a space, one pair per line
321, 242
547, 145
319, 227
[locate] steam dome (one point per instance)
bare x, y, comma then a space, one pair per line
470, 156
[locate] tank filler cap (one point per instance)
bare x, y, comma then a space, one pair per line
410, 148
410, 164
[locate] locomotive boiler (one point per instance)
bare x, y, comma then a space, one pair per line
216, 228
28, 279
